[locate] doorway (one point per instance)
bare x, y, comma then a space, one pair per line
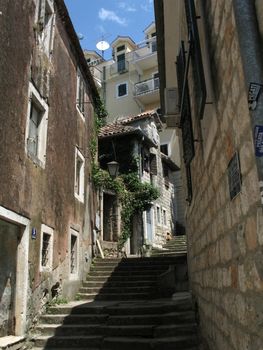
10, 235
149, 226
14, 238
110, 218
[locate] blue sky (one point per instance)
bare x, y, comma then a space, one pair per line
106, 19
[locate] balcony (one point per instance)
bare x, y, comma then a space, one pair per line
147, 91
119, 67
145, 57
97, 75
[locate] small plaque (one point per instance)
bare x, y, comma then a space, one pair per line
258, 139
234, 176
253, 95
34, 233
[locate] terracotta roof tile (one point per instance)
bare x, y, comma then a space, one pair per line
141, 116
115, 129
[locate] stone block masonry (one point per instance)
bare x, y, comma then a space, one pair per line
226, 236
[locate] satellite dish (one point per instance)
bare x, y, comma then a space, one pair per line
80, 36
102, 46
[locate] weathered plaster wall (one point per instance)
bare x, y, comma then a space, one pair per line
44, 195
225, 236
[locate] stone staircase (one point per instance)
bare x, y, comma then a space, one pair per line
176, 246
121, 308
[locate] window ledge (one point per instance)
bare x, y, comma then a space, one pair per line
80, 113
36, 160
79, 198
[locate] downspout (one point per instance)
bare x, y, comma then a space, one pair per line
251, 54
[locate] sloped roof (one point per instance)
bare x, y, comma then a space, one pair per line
134, 118
171, 164
123, 38
116, 129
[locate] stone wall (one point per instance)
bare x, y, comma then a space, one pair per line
225, 236
44, 195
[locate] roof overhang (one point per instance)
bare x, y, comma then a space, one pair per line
168, 161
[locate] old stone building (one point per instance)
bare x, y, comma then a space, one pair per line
134, 143
217, 47
47, 204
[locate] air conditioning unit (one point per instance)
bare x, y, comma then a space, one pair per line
171, 100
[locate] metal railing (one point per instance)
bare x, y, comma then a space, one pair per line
119, 67
146, 86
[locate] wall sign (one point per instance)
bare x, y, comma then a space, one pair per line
234, 176
258, 139
253, 95
34, 233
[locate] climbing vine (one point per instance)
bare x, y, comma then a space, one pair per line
135, 196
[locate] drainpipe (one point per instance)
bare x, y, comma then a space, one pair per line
251, 54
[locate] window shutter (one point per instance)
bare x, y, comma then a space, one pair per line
153, 164
41, 13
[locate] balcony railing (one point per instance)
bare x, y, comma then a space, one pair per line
119, 67
146, 86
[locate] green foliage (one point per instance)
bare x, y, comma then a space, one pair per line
57, 301
100, 109
99, 121
135, 196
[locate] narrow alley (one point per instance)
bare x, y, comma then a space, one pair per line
131, 172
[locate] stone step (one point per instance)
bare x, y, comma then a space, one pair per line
129, 268
67, 341
131, 343
180, 303
150, 309
73, 319
115, 290
167, 318
152, 331
113, 279
114, 343
113, 296
129, 273
120, 284
167, 253
11, 342
139, 261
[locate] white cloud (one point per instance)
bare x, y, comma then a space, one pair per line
126, 7
101, 29
147, 5
107, 15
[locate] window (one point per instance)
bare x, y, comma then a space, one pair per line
74, 252
156, 83
120, 48
46, 249
145, 160
153, 164
122, 90
166, 175
154, 43
45, 24
164, 217
196, 57
79, 175
164, 149
80, 94
36, 130
158, 215
121, 63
